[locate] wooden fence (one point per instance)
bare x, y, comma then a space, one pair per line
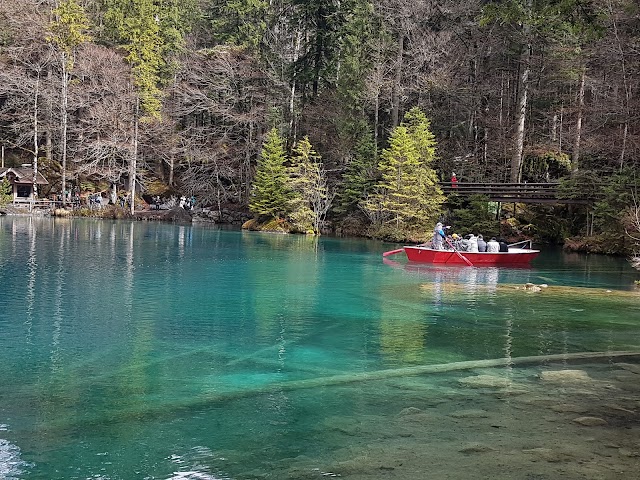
31, 205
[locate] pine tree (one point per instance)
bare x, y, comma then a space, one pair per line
419, 129
68, 29
399, 166
271, 194
320, 23
352, 122
312, 197
408, 195
239, 22
150, 32
359, 176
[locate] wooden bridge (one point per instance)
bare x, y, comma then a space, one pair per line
515, 192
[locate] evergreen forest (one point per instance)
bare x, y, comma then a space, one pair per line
335, 115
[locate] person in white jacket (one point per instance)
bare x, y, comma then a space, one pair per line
493, 246
473, 244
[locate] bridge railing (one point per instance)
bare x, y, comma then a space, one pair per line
511, 188
516, 192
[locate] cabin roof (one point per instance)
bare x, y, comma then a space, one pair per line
23, 175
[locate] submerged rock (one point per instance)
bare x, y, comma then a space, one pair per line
409, 411
549, 455
625, 452
590, 421
470, 414
485, 381
562, 376
476, 448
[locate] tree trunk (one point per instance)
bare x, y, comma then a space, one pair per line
521, 113
245, 174
625, 134
501, 116
172, 162
627, 89
485, 147
575, 155
49, 133
395, 95
292, 95
134, 160
65, 120
523, 91
35, 137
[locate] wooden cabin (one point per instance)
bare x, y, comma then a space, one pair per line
21, 180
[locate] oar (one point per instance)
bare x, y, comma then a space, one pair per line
465, 259
392, 252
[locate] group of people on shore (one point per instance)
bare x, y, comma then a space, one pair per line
469, 243
183, 202
188, 203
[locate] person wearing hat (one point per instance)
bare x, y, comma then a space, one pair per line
454, 180
456, 241
438, 236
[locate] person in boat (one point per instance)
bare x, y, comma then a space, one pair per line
473, 244
455, 241
493, 246
504, 246
482, 245
438, 236
465, 244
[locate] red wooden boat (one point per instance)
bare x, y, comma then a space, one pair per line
517, 255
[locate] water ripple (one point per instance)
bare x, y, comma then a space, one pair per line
11, 466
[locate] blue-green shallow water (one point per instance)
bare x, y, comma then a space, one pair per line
145, 350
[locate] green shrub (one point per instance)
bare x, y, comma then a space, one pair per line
5, 191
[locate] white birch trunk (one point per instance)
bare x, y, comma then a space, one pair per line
521, 113
523, 91
575, 155
134, 159
65, 121
35, 138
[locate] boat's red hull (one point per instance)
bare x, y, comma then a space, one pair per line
515, 256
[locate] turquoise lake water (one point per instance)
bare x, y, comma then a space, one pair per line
155, 351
